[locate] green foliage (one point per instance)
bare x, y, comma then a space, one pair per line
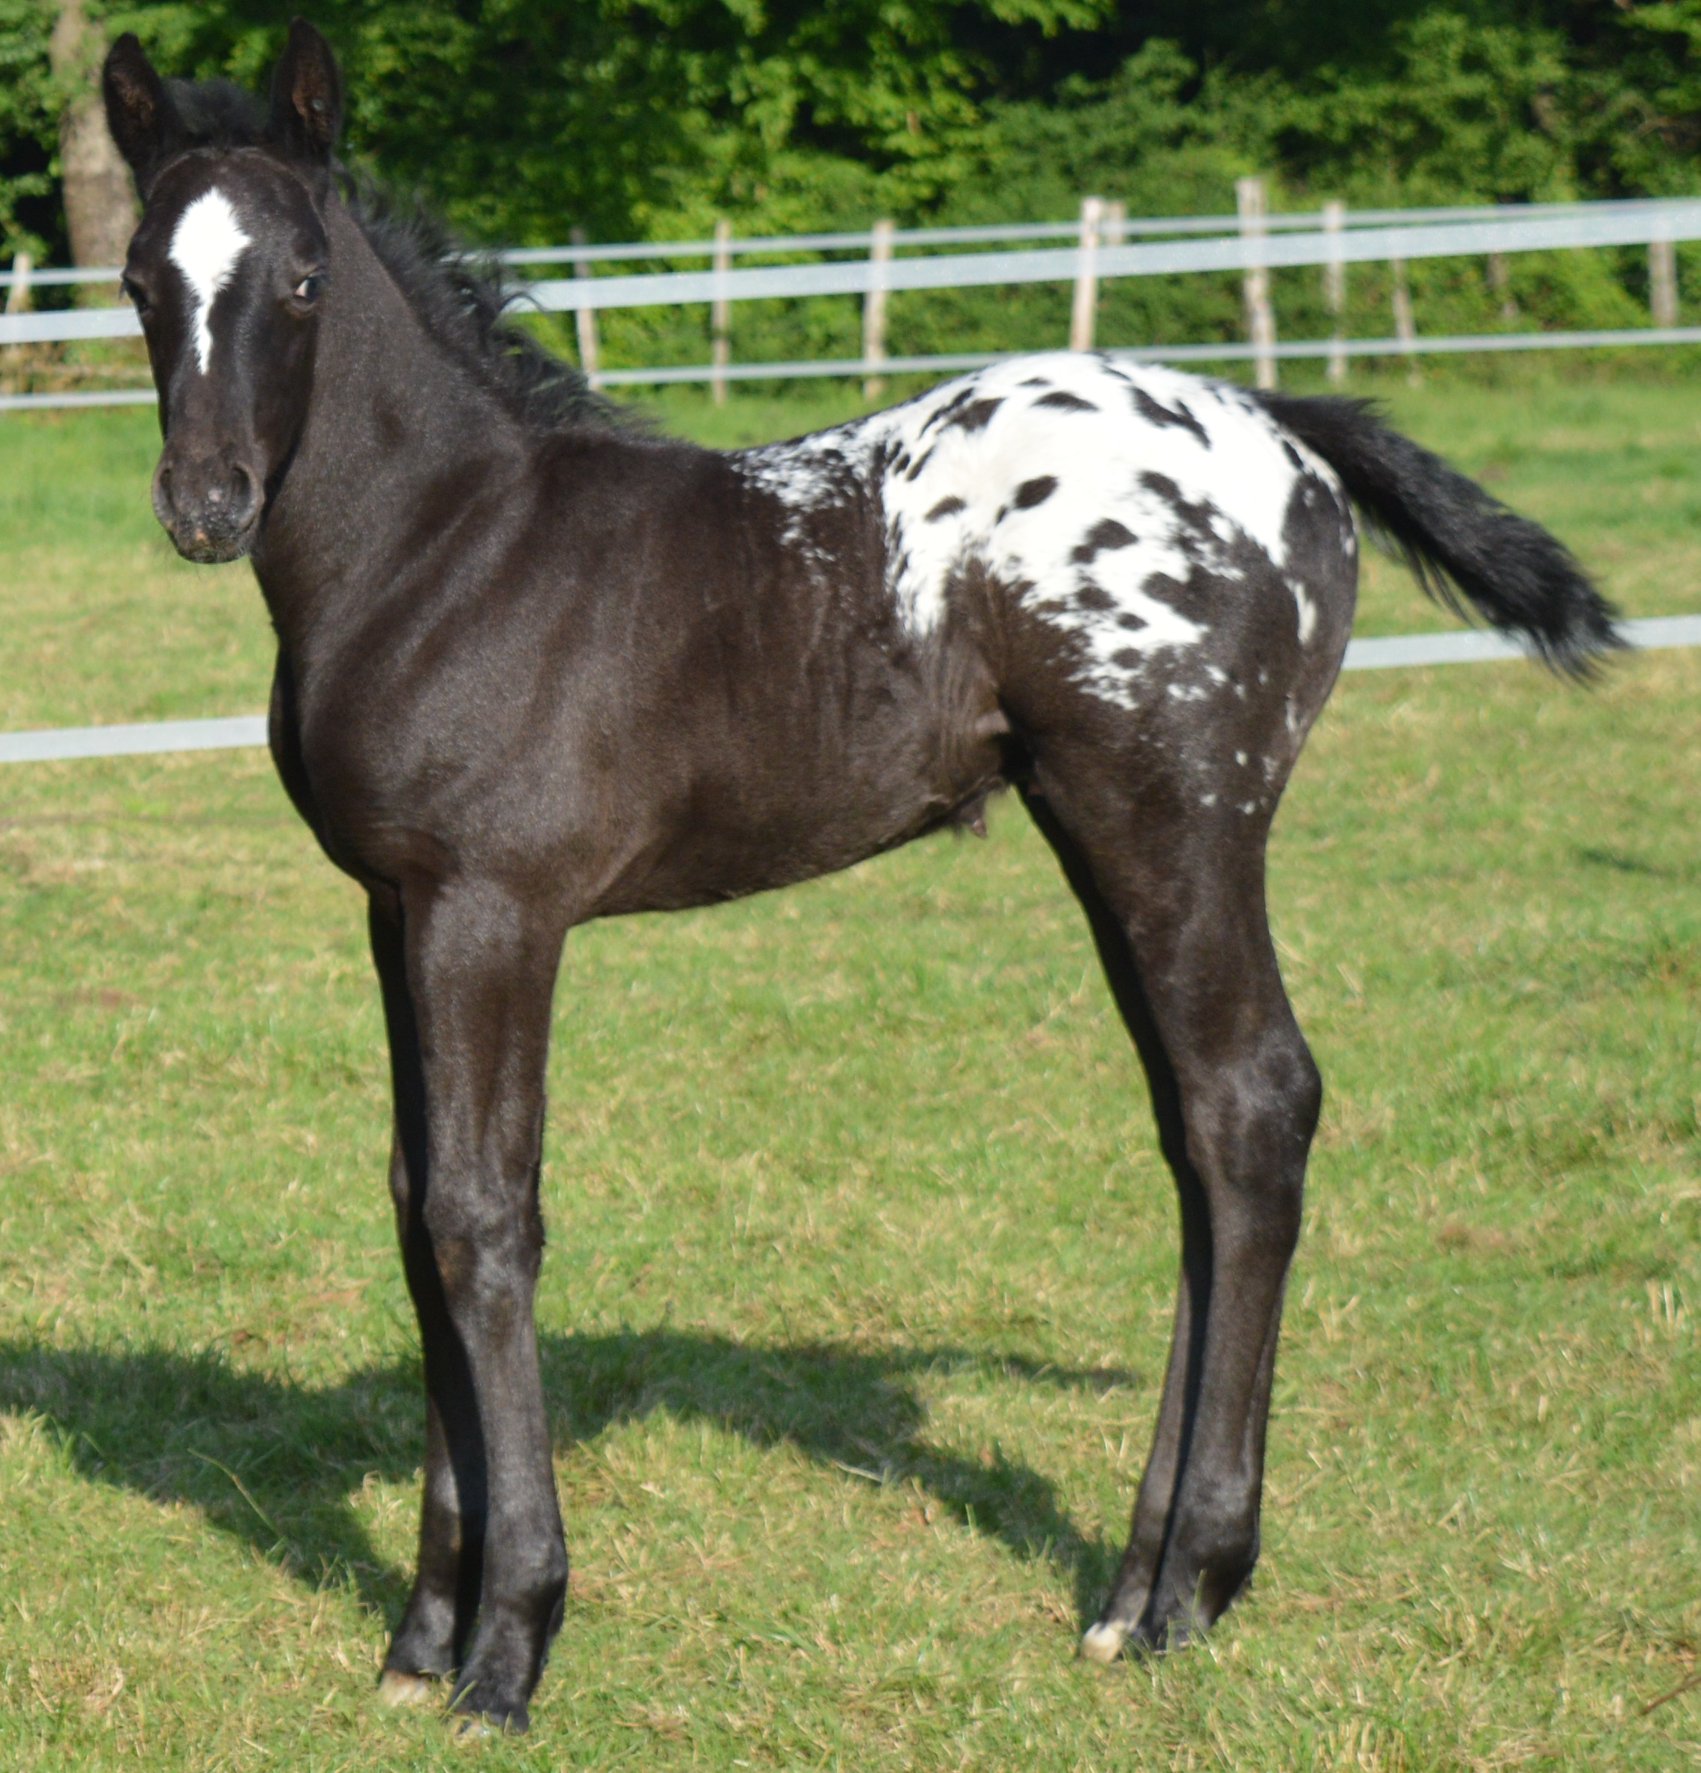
651, 118
28, 124
1462, 113
1645, 100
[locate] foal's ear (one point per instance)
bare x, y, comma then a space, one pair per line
139, 111
307, 96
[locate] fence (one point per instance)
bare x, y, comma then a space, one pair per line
243, 731
1250, 243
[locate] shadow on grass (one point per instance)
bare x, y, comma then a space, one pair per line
274, 1462
1621, 862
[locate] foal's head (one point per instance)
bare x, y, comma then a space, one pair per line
229, 272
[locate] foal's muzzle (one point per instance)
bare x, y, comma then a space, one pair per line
210, 508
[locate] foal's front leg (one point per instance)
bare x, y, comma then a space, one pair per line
468, 974
443, 1606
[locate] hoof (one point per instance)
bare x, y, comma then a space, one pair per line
1103, 1642
398, 1688
474, 1726
473, 1714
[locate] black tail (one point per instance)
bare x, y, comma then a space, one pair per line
1465, 548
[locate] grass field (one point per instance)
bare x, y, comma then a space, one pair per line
862, 1255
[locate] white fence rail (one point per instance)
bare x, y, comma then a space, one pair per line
157, 738
1189, 244
1651, 209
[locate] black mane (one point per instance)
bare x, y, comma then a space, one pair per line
461, 296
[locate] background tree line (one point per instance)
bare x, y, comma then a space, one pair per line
648, 118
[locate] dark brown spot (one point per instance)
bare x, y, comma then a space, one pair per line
1161, 486
1035, 492
1154, 412
1131, 622
947, 508
1064, 401
1091, 596
954, 404
1129, 658
1105, 534
974, 417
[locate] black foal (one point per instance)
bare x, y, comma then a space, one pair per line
535, 668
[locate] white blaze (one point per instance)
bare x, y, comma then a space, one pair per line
205, 247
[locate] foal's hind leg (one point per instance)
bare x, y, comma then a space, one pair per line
1176, 904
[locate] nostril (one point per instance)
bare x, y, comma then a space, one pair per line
244, 491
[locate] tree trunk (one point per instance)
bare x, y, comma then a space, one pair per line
100, 208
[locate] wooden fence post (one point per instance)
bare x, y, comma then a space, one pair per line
1405, 329
585, 319
720, 312
874, 307
1086, 275
1335, 286
18, 296
1500, 285
18, 357
1662, 282
1260, 317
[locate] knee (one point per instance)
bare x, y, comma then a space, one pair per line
1297, 1085
1250, 1124
482, 1241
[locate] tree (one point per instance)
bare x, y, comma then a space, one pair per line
100, 212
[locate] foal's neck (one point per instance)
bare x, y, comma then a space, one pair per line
398, 437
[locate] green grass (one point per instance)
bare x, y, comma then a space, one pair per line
862, 1255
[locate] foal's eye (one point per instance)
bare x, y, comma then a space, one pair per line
310, 288
136, 294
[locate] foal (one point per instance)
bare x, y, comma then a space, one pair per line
534, 668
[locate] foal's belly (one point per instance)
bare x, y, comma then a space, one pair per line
796, 796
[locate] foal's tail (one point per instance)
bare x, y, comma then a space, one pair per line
1465, 548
